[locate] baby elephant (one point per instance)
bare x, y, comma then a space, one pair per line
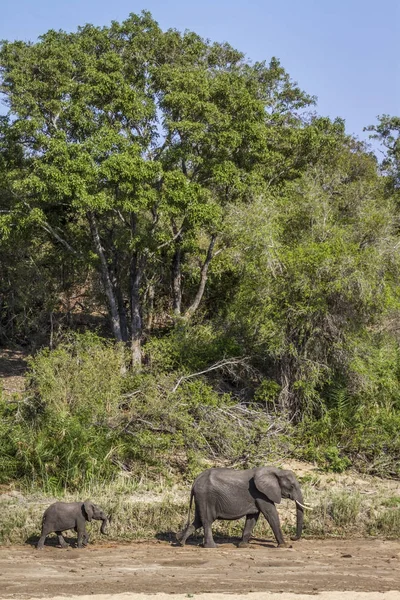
71, 515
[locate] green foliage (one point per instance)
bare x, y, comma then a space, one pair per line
344, 508
165, 181
318, 269
388, 133
81, 377
84, 418
190, 347
134, 140
267, 392
58, 436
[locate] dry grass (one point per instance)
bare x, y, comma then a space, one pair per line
344, 505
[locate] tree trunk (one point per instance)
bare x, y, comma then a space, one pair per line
135, 275
150, 307
203, 280
122, 313
106, 279
177, 280
136, 271
116, 281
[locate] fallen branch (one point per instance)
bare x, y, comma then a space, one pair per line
219, 365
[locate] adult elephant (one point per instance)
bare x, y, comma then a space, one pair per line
230, 494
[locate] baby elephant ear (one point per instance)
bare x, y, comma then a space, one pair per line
88, 507
268, 483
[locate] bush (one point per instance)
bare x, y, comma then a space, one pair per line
189, 348
83, 419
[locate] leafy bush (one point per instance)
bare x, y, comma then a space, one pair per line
84, 419
190, 348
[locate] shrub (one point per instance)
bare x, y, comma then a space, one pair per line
83, 420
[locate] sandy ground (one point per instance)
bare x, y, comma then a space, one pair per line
310, 570
365, 569
251, 596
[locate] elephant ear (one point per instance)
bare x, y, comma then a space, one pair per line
268, 483
88, 507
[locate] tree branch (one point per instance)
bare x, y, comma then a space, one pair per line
107, 283
219, 365
54, 233
49, 229
203, 279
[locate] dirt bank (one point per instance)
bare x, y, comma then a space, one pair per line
309, 567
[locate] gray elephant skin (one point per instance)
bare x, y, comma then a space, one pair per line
60, 516
230, 494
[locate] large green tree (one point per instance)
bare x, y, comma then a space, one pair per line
137, 140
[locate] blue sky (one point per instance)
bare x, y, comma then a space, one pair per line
346, 52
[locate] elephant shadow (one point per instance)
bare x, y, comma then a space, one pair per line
197, 540
51, 541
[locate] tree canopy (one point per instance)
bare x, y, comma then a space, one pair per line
168, 189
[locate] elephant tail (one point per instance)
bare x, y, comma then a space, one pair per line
190, 506
182, 535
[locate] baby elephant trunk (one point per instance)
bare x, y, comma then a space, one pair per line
104, 524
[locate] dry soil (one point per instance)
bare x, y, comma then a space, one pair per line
347, 569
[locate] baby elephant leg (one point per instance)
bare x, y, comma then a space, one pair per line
82, 536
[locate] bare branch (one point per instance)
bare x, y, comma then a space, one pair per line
177, 234
54, 233
203, 279
219, 365
121, 216
54, 120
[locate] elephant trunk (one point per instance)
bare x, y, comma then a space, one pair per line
300, 517
104, 525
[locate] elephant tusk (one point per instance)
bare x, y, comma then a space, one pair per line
304, 506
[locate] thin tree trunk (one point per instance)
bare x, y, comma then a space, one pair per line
176, 270
135, 274
120, 297
136, 271
203, 280
150, 310
177, 280
114, 270
122, 312
106, 279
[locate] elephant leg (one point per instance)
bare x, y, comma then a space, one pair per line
85, 540
183, 535
61, 540
208, 536
82, 535
251, 521
269, 511
41, 541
